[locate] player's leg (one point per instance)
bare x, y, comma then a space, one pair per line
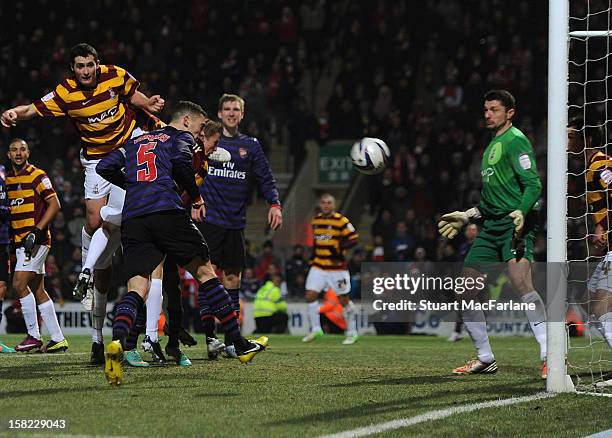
179, 237
153, 306
22, 276
315, 284
141, 257
126, 314
221, 305
340, 282
131, 353
601, 303
600, 298
174, 327
4, 278
482, 255
215, 238
46, 308
520, 275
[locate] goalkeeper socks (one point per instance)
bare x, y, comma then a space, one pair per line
606, 327
125, 315
537, 319
351, 322
476, 326
235, 297
85, 241
154, 307
47, 311
313, 316
28, 308
98, 316
214, 294
97, 244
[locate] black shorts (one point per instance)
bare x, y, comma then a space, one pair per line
227, 249
147, 239
5, 263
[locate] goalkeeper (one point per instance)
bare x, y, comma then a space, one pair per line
511, 189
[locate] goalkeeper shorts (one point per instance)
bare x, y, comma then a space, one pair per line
495, 243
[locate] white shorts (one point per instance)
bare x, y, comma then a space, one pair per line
602, 277
96, 187
35, 263
319, 280
111, 212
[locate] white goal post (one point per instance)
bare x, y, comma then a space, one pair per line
559, 40
556, 249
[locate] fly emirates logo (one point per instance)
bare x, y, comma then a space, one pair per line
227, 171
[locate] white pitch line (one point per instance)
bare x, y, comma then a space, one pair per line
602, 434
435, 415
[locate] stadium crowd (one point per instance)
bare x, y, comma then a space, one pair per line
420, 91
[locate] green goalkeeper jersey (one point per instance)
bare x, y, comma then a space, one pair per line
510, 179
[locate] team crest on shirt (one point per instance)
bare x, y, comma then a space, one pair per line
111, 93
243, 152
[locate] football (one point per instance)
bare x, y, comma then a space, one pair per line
370, 155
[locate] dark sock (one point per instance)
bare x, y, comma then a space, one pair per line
125, 315
0, 311
140, 323
235, 297
206, 316
220, 304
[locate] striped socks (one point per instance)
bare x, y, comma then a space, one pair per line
235, 297
212, 295
125, 316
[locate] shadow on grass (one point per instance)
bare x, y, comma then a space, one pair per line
419, 400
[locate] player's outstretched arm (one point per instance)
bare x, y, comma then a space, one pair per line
10, 117
153, 104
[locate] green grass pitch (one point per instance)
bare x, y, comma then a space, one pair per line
295, 389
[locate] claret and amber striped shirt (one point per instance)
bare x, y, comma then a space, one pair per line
101, 115
28, 190
333, 235
599, 193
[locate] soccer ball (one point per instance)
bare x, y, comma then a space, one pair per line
370, 155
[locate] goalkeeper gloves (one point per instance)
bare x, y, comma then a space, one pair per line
519, 221
451, 223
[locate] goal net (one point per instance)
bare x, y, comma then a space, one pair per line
589, 88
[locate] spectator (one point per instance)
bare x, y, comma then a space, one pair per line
265, 260
270, 309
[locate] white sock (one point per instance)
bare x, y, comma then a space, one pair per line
476, 326
154, 307
28, 308
85, 241
606, 327
98, 242
537, 319
98, 316
351, 322
313, 316
47, 311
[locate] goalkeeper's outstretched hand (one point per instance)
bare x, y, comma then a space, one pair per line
451, 223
